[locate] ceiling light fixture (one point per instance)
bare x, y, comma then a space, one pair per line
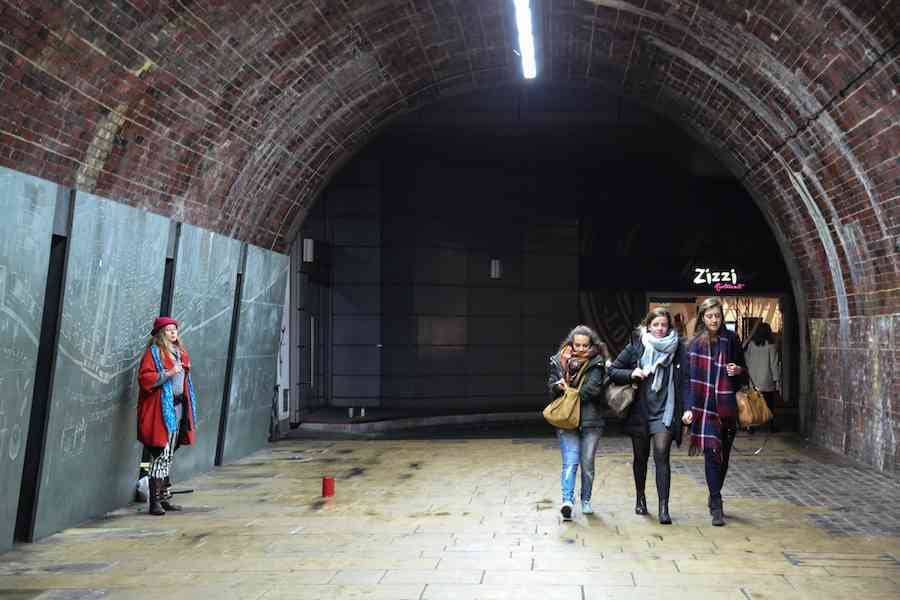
526, 38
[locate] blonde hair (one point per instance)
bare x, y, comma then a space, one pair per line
160, 341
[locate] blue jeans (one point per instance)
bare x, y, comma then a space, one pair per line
578, 447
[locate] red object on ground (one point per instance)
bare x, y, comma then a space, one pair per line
327, 487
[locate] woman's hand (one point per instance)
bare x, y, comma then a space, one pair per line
638, 373
688, 417
733, 369
174, 371
562, 384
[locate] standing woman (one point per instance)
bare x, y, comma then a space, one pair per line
580, 360
763, 365
715, 364
652, 360
165, 412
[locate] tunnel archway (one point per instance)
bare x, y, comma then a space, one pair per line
591, 207
233, 116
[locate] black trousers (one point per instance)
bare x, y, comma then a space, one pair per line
715, 470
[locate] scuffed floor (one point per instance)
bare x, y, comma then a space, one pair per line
478, 518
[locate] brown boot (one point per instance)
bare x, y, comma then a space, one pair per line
157, 489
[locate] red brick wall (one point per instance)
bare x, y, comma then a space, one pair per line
233, 114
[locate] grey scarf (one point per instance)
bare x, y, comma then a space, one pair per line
657, 359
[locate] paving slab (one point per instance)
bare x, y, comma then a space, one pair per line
478, 518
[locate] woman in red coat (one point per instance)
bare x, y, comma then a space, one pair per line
165, 413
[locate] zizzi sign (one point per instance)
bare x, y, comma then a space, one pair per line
719, 280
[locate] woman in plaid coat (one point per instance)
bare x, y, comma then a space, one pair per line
715, 371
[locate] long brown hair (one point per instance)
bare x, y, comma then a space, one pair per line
700, 328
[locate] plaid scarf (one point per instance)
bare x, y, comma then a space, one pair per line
571, 361
711, 393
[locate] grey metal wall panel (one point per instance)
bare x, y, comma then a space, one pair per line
254, 372
356, 300
27, 205
495, 330
445, 266
356, 360
203, 303
547, 271
113, 286
439, 300
351, 264
357, 330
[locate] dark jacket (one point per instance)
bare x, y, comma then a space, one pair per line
591, 391
620, 373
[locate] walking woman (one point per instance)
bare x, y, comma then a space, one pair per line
581, 359
715, 366
764, 366
653, 360
166, 413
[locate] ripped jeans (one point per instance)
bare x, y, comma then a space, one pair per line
578, 447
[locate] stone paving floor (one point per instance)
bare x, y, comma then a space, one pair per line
478, 518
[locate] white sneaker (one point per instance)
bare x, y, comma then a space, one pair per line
566, 511
586, 508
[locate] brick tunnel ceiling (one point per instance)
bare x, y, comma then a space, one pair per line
233, 114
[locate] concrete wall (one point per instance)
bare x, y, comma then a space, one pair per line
28, 206
106, 267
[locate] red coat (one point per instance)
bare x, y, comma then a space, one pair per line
151, 428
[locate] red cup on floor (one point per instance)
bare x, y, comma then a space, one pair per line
327, 487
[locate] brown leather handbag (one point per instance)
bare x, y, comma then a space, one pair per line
617, 399
752, 407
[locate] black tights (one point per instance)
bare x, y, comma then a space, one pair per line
662, 443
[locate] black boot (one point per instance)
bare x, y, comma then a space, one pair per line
157, 489
716, 510
664, 518
640, 504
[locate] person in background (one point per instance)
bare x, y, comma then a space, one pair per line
715, 366
764, 365
580, 360
166, 413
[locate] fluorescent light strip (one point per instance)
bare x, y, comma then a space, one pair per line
526, 38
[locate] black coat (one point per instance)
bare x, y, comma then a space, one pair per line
591, 392
620, 373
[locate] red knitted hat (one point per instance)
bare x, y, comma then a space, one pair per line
161, 322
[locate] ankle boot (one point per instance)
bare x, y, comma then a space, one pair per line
168, 505
664, 518
715, 509
167, 496
157, 489
640, 504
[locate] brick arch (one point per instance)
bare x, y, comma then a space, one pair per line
233, 114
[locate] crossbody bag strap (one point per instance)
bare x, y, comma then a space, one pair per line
580, 377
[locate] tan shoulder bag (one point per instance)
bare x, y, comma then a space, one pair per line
565, 411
